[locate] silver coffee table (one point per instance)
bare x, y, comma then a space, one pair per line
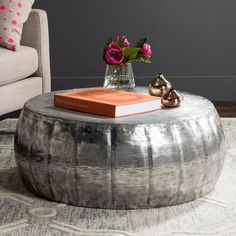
156, 159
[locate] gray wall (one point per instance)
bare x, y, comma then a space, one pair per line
193, 41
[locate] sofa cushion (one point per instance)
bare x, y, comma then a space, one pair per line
12, 16
17, 65
13, 96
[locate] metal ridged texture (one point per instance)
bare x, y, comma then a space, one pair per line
156, 159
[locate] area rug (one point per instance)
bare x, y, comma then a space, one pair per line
23, 213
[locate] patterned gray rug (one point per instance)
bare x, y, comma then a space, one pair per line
24, 214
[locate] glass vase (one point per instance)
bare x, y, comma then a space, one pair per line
119, 77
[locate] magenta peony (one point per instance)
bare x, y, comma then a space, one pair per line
146, 50
113, 54
126, 42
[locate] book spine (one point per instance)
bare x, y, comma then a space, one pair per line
84, 106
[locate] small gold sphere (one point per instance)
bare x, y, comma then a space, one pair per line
159, 86
172, 99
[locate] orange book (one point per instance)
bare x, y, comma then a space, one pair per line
107, 102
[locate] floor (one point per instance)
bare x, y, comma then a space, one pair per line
226, 109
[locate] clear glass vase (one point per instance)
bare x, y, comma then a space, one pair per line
119, 77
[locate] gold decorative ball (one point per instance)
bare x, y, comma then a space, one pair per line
159, 86
172, 99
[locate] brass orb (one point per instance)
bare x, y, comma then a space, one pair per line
172, 99
159, 86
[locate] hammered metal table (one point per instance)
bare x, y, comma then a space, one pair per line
156, 159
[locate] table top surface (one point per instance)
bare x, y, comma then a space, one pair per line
192, 107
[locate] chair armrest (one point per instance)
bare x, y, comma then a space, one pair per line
35, 34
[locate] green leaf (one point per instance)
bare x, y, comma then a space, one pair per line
126, 59
141, 42
142, 58
145, 59
120, 42
131, 53
107, 43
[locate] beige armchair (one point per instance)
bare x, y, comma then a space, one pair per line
26, 72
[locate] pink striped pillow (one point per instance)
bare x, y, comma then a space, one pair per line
13, 13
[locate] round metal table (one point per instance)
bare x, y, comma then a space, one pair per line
161, 158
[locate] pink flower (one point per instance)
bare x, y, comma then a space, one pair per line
126, 42
113, 54
146, 50
19, 4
